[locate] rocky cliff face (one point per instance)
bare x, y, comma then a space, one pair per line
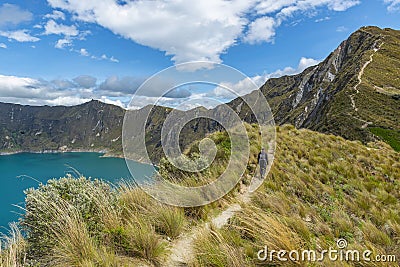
356, 87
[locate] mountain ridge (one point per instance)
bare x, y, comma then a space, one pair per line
353, 93
322, 98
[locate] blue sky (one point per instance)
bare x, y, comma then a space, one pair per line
65, 52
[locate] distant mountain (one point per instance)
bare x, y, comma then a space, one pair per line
354, 93
90, 126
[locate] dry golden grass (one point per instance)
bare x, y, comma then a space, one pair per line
14, 252
320, 188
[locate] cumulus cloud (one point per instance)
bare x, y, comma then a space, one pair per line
30, 91
69, 32
62, 84
67, 101
199, 30
12, 86
178, 93
85, 81
231, 90
19, 36
193, 30
13, 15
53, 27
393, 5
105, 57
191, 102
84, 52
117, 86
55, 15
3, 45
119, 90
261, 30
62, 43
339, 5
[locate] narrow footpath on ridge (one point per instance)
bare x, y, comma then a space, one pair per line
182, 251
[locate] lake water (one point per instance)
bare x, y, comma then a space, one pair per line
21, 171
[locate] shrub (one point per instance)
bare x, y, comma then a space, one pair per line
93, 200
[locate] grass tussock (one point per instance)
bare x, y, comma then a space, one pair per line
13, 248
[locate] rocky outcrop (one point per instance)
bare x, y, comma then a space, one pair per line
319, 97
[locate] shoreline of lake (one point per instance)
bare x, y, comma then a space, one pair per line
27, 169
105, 152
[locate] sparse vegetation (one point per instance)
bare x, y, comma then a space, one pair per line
320, 188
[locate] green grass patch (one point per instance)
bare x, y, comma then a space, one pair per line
392, 137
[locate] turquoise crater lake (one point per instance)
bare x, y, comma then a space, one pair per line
21, 171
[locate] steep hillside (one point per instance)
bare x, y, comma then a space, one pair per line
356, 87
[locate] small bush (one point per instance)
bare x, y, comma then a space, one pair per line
92, 200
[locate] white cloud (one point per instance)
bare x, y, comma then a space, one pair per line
272, 6
393, 5
14, 15
193, 101
53, 27
85, 81
62, 43
105, 57
117, 86
113, 59
66, 101
118, 91
116, 102
261, 30
339, 5
322, 19
186, 30
341, 29
305, 63
245, 86
29, 91
20, 36
21, 87
84, 52
55, 15
3, 45
193, 30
